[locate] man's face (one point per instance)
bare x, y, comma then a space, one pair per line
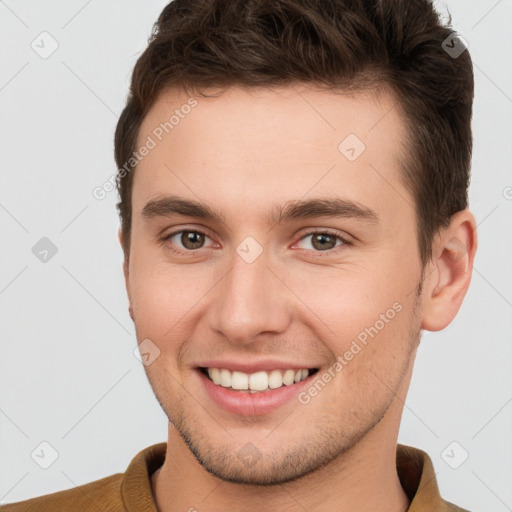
263, 287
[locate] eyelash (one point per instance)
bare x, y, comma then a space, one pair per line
310, 233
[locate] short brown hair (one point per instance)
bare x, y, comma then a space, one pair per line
339, 44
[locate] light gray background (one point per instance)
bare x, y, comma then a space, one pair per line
68, 375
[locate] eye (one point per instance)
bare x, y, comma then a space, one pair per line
187, 240
324, 241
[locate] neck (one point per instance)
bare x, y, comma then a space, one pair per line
363, 479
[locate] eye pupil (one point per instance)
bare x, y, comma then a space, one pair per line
192, 239
324, 241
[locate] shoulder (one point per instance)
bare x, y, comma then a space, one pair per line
103, 494
418, 479
130, 490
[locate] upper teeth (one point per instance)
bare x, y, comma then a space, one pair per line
259, 381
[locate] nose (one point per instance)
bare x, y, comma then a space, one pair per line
250, 301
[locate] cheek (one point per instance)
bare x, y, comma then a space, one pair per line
350, 298
166, 298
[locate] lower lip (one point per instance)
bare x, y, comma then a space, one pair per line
252, 404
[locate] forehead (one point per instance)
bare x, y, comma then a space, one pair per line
248, 146
318, 114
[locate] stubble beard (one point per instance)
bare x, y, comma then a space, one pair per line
313, 451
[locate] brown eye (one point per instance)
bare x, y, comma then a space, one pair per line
192, 239
187, 240
322, 241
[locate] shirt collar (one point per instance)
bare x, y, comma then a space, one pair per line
414, 467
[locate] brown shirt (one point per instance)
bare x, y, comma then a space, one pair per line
131, 491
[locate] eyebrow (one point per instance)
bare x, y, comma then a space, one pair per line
168, 206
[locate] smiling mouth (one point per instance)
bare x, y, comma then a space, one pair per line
256, 382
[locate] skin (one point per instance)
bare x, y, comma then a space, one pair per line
241, 153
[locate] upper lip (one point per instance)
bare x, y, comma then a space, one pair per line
254, 366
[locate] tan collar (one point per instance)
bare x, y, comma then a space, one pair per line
414, 467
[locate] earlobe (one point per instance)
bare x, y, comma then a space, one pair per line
127, 284
125, 262
130, 311
126, 274
450, 275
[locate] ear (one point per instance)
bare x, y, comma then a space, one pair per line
449, 275
125, 272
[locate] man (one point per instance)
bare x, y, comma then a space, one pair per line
293, 199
